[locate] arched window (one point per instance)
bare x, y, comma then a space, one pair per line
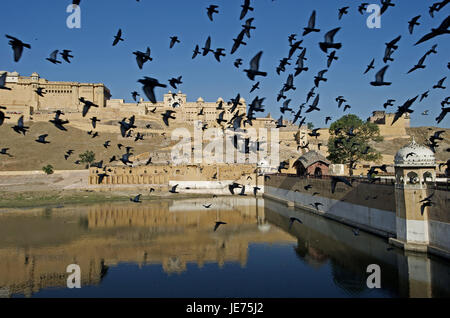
412, 178
427, 177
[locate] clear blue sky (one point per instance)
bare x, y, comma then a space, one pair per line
151, 23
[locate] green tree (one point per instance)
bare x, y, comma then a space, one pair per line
350, 141
310, 126
48, 169
87, 157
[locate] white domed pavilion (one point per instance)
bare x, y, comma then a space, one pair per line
415, 164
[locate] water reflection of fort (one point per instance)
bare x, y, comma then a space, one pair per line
35, 250
36, 246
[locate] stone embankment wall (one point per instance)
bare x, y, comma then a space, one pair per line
370, 207
367, 206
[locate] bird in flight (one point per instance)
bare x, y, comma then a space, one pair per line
87, 105
53, 57
136, 199
211, 10
40, 91
20, 127
342, 11
3, 116
219, 223
174, 189
238, 41
292, 220
168, 115
329, 41
336, 179
370, 66
3, 82
413, 22
311, 24
142, 57
440, 30
379, 78
148, 87
207, 47
419, 64
404, 109
232, 187
17, 46
196, 52
385, 5
66, 55
41, 139
173, 41
254, 67
440, 84
245, 8
118, 37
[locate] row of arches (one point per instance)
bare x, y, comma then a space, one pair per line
413, 178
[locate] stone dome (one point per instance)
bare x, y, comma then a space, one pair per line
415, 155
200, 100
35, 74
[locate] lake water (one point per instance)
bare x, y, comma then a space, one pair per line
170, 249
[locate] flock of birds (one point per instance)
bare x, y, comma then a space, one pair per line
329, 46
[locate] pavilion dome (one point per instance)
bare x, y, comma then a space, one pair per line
200, 100
35, 74
415, 155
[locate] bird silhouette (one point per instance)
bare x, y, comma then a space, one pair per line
196, 52
54, 57
168, 115
219, 223
254, 67
87, 105
232, 187
412, 23
440, 30
142, 57
329, 41
148, 87
342, 11
211, 10
379, 78
118, 37
136, 199
66, 55
20, 127
292, 220
245, 8
173, 41
311, 24
370, 66
336, 179
41, 139
17, 46
174, 189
